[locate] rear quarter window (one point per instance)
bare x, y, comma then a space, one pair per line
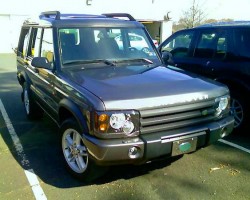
242, 42
23, 42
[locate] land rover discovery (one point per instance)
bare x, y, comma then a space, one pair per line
114, 103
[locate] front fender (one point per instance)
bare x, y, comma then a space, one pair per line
68, 108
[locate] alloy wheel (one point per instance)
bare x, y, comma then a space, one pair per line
74, 151
26, 101
237, 112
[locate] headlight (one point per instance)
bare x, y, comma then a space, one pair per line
114, 124
222, 104
117, 121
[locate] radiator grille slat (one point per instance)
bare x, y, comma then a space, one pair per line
163, 119
181, 108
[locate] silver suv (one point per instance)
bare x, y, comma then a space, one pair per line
114, 103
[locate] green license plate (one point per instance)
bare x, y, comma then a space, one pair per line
184, 146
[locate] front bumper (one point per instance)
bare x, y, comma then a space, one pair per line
155, 145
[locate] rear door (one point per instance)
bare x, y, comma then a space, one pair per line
210, 52
202, 51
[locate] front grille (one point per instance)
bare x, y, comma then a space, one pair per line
167, 118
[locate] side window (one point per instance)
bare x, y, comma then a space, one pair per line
47, 49
33, 49
23, 42
30, 49
221, 47
242, 41
211, 45
36, 48
179, 45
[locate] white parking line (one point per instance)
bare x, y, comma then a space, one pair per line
32, 178
235, 145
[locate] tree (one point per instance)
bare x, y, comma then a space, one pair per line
194, 16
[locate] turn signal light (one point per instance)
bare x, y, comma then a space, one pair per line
103, 127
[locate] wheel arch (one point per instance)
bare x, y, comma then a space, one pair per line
68, 109
233, 84
22, 77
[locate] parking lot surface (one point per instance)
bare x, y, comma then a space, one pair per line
31, 164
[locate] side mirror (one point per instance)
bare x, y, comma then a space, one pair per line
41, 62
167, 58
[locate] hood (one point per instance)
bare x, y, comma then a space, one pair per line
143, 87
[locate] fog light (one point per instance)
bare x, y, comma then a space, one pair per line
223, 132
133, 152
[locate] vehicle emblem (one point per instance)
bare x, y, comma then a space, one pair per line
204, 112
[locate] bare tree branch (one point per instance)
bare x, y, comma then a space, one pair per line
194, 16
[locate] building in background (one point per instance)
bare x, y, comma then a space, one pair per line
152, 13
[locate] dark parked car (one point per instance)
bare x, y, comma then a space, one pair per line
114, 103
219, 51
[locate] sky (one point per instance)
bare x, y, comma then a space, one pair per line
139, 9
216, 9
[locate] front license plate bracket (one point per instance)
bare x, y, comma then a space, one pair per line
180, 147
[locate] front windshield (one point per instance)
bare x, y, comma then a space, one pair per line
112, 44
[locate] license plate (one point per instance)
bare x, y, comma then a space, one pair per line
184, 146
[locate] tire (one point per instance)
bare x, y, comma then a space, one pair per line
32, 110
240, 111
75, 153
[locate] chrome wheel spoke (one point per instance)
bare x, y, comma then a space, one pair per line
72, 158
82, 151
69, 140
80, 163
76, 138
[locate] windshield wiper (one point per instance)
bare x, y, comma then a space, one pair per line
135, 60
107, 62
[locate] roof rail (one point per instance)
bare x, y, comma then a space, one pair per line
120, 15
226, 23
48, 14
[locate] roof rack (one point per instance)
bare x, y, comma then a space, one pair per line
120, 15
51, 14
226, 23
